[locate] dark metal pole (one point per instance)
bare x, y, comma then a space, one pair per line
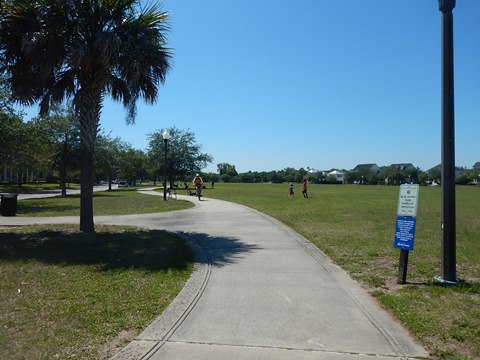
165, 170
448, 145
402, 267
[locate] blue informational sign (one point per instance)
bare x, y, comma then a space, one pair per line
405, 232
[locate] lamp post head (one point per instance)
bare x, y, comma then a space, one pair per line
446, 5
166, 134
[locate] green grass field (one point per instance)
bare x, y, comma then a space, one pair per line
115, 202
355, 226
68, 295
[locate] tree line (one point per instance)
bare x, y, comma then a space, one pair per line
48, 148
387, 175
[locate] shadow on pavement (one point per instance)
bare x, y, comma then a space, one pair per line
222, 250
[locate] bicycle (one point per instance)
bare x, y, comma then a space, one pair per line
198, 191
171, 194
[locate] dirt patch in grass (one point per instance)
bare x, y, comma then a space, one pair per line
113, 346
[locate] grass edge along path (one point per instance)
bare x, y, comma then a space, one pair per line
65, 294
354, 225
115, 202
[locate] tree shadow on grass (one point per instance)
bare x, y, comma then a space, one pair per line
122, 249
32, 209
146, 250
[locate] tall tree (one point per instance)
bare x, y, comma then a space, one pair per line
24, 147
84, 50
107, 157
133, 164
62, 129
184, 155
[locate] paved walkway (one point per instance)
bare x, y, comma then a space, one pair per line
259, 291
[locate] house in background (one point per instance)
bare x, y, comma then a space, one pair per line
337, 176
367, 167
476, 167
436, 170
403, 167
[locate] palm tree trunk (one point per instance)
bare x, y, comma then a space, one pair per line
86, 189
89, 108
63, 166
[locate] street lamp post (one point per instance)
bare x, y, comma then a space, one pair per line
448, 147
166, 136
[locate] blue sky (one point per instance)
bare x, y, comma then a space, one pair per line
269, 84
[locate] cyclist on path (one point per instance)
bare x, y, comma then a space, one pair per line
198, 183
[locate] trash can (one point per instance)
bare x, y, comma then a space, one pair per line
8, 204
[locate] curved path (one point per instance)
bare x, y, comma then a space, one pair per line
259, 291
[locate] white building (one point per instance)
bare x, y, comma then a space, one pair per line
337, 175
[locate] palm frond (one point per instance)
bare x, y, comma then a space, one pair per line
52, 49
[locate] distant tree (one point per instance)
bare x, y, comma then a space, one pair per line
252, 177
302, 174
10, 125
209, 177
133, 164
392, 175
352, 177
12, 133
435, 175
108, 153
313, 176
289, 174
61, 127
226, 171
10, 121
412, 174
247, 177
372, 178
276, 177
422, 178
84, 50
184, 155
23, 146
472, 176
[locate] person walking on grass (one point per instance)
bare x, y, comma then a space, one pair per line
290, 191
304, 189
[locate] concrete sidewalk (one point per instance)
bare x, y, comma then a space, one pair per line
259, 291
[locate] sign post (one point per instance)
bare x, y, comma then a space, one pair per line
405, 226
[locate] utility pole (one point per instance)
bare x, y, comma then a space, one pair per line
448, 147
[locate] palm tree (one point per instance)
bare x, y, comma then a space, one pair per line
54, 50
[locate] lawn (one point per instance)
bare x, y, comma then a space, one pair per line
355, 226
65, 294
115, 202
53, 277
30, 187
68, 295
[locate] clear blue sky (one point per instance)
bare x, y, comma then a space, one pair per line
269, 84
